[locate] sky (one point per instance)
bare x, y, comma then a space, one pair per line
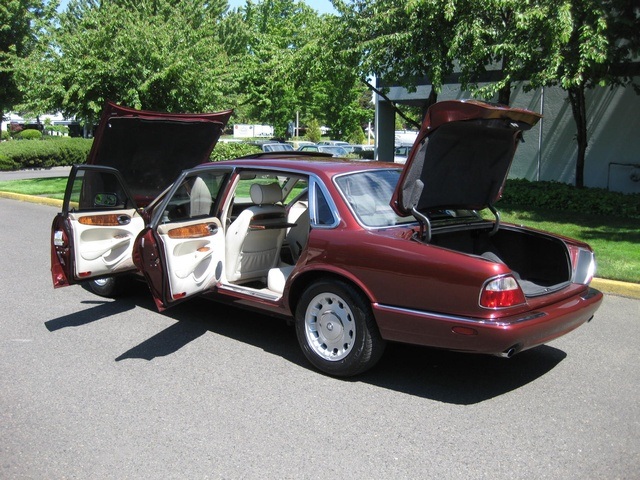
321, 6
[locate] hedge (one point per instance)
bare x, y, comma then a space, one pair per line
45, 153
563, 197
229, 150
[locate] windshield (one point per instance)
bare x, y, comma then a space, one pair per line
369, 194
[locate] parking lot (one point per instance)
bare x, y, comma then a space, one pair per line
92, 388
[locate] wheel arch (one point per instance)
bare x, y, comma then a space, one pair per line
304, 279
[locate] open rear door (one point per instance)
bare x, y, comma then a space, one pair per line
93, 236
182, 251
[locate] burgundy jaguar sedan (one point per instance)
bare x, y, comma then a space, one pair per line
354, 253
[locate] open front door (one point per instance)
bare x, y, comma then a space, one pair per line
93, 236
182, 251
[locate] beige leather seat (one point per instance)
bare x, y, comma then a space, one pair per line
297, 235
200, 198
252, 246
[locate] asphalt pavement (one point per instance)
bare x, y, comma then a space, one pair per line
35, 173
97, 388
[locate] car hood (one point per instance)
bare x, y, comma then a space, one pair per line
150, 149
461, 156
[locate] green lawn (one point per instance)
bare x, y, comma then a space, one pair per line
616, 241
47, 187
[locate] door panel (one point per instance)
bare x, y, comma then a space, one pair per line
104, 242
194, 253
182, 250
93, 236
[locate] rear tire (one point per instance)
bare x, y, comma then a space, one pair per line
336, 329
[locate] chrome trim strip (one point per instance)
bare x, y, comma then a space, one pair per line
454, 318
251, 292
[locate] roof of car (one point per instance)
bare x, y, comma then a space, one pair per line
319, 165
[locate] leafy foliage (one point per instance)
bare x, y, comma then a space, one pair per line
603, 36
6, 163
564, 197
149, 54
29, 134
52, 152
230, 150
292, 66
314, 134
20, 23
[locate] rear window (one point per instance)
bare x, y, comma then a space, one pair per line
369, 193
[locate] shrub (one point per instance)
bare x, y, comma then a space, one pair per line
5, 135
44, 154
564, 197
29, 134
229, 150
6, 163
314, 134
356, 136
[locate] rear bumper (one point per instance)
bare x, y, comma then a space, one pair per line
511, 334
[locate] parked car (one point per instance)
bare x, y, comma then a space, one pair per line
274, 146
337, 143
334, 150
401, 153
355, 254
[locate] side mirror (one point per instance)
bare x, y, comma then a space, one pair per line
105, 200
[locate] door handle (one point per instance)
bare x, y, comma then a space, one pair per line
124, 219
213, 228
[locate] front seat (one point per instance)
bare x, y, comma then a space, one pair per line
254, 239
200, 199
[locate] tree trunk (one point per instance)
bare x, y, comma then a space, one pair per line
433, 98
579, 110
504, 95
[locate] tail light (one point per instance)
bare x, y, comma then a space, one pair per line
583, 263
502, 292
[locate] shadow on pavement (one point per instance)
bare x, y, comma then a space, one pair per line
459, 378
102, 309
443, 376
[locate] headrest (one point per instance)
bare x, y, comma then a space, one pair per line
265, 194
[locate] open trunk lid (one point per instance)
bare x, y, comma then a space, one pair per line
461, 157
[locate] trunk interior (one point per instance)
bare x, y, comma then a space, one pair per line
539, 262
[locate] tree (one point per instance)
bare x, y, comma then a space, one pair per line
604, 38
313, 131
399, 41
20, 24
277, 30
577, 44
499, 42
150, 54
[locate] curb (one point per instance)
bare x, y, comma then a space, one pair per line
52, 202
611, 287
614, 287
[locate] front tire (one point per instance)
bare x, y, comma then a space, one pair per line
336, 329
109, 287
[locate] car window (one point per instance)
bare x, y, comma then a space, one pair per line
368, 194
97, 190
195, 196
323, 213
